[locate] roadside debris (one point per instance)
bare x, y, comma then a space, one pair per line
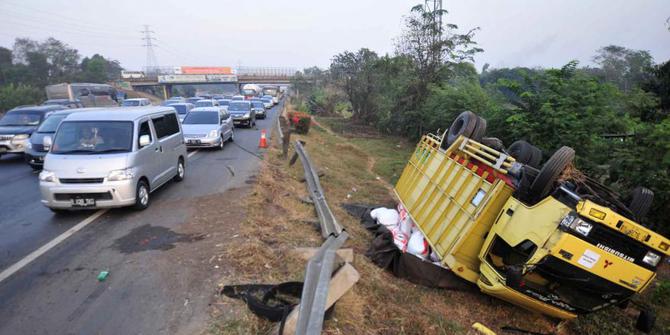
102, 276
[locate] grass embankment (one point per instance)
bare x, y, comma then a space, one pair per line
357, 170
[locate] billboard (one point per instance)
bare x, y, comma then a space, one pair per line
206, 70
197, 78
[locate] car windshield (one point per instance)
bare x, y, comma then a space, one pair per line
51, 123
202, 118
266, 99
223, 102
93, 137
239, 107
258, 104
207, 103
21, 118
131, 103
181, 109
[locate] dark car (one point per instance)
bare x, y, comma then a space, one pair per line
64, 102
18, 124
259, 108
39, 142
242, 113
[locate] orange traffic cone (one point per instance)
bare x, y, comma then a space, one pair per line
264, 142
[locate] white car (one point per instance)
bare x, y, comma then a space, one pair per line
138, 102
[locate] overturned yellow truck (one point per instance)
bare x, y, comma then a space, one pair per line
546, 238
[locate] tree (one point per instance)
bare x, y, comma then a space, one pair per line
355, 73
626, 68
15, 95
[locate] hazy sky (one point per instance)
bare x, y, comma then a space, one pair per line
299, 33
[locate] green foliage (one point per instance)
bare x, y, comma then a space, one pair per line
15, 95
661, 295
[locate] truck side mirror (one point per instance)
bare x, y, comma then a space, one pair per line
513, 276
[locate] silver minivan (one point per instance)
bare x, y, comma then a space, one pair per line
112, 158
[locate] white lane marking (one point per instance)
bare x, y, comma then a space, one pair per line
43, 249
192, 153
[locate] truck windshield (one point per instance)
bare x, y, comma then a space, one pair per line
93, 137
201, 118
21, 118
239, 107
51, 123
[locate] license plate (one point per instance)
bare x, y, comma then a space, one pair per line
194, 141
82, 202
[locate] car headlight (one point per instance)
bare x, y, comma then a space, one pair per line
29, 145
47, 176
212, 134
20, 138
576, 224
651, 258
117, 175
248, 114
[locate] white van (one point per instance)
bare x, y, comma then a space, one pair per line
111, 158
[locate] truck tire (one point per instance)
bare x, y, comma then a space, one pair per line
480, 129
552, 169
464, 124
525, 153
645, 321
640, 202
493, 143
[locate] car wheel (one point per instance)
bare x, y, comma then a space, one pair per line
142, 195
221, 143
181, 170
551, 170
36, 167
232, 135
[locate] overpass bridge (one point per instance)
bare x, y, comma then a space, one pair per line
163, 82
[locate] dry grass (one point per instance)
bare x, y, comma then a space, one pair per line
379, 303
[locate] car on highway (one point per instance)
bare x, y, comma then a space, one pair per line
182, 109
259, 109
173, 100
242, 113
224, 102
136, 102
208, 127
40, 141
273, 100
18, 124
64, 102
193, 100
267, 102
207, 103
237, 98
112, 157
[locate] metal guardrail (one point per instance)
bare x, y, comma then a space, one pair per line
329, 225
315, 289
320, 267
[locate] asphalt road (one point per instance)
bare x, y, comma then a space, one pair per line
147, 292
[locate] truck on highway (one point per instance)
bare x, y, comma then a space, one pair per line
89, 94
251, 91
546, 238
272, 91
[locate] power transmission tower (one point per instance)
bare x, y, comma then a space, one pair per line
151, 63
435, 7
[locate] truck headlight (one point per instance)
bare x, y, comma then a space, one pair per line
651, 258
47, 176
576, 224
213, 134
117, 175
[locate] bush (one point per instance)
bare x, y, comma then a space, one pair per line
15, 95
301, 121
661, 295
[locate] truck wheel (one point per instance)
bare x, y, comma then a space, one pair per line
493, 143
480, 129
640, 202
552, 169
464, 125
645, 321
525, 153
